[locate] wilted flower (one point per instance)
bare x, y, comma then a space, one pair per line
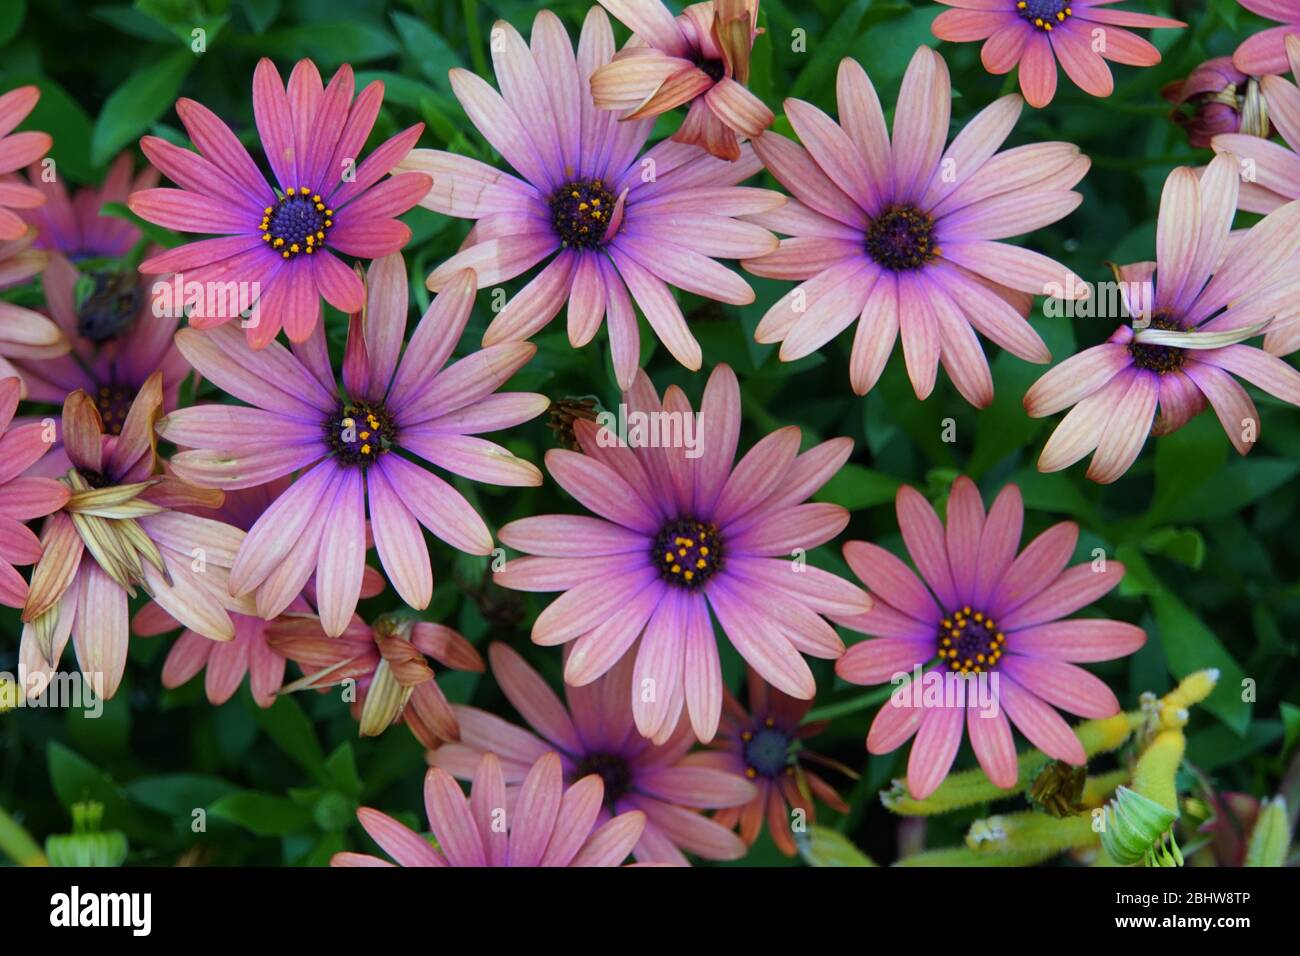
898, 234
981, 612
1218, 98
393, 681
610, 220
594, 734
278, 245
1207, 298
226, 662
346, 444
700, 58
119, 530
1082, 34
21, 499
678, 537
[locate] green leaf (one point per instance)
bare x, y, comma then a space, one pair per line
856, 487
1191, 646
286, 724
430, 51
11, 19
822, 846
76, 780
261, 813
178, 794
140, 100
1185, 545
329, 44
1240, 484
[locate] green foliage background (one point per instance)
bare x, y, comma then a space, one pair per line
1209, 539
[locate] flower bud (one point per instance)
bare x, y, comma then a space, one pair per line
1217, 98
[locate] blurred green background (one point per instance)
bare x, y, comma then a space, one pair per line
1209, 539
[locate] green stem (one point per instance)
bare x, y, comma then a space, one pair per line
474, 37
862, 702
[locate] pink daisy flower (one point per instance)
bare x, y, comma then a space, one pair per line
546, 824
765, 745
225, 663
980, 611
1154, 380
21, 498
73, 226
346, 444
610, 220
24, 333
677, 537
388, 663
16, 151
1034, 34
279, 245
903, 234
1265, 52
700, 58
118, 341
1273, 172
121, 529
594, 734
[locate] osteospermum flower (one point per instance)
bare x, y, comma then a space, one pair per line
16, 151
278, 245
347, 444
118, 341
21, 498
547, 824
225, 663
700, 58
1034, 34
902, 234
981, 612
1216, 98
393, 680
73, 226
610, 220
1205, 304
595, 735
1265, 52
765, 745
119, 530
678, 537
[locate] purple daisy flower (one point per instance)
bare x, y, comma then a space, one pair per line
278, 245
611, 221
592, 733
1201, 303
346, 443
677, 537
548, 824
980, 611
902, 234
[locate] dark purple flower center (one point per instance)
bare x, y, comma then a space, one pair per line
902, 238
1160, 359
687, 552
297, 223
612, 770
970, 641
766, 750
114, 403
109, 311
580, 212
1044, 14
713, 69
94, 478
360, 433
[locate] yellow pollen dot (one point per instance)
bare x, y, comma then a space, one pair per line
1038, 21
268, 210
289, 191
329, 212
769, 722
316, 198
677, 569
747, 736
704, 552
278, 243
365, 449
1061, 16
365, 435
751, 773
329, 222
266, 237
689, 575
310, 250
701, 564
294, 247
668, 556
285, 254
